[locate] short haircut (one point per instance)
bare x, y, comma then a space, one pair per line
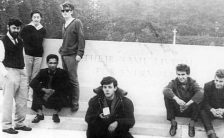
14, 21
220, 73
183, 67
34, 12
67, 5
108, 80
52, 56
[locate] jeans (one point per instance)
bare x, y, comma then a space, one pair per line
70, 64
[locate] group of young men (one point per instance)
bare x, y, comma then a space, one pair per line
53, 87
110, 113
183, 97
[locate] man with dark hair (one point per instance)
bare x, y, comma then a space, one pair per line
72, 49
15, 86
182, 96
50, 88
33, 35
213, 103
110, 114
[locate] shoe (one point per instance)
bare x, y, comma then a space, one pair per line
191, 131
75, 107
10, 131
38, 118
173, 129
213, 135
56, 118
23, 128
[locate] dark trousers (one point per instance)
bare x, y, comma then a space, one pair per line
53, 102
206, 118
99, 131
71, 65
173, 110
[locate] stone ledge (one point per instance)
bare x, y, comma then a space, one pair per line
145, 125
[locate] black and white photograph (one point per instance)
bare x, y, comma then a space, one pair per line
112, 68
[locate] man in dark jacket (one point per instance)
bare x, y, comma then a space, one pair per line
50, 88
182, 96
110, 114
213, 103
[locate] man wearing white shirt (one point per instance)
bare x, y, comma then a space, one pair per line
15, 86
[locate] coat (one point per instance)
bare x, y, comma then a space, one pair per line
123, 114
192, 91
60, 83
213, 98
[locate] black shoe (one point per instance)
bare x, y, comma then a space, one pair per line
75, 107
191, 131
213, 135
10, 131
173, 129
38, 118
56, 118
23, 128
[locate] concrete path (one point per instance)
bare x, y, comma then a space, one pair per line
48, 129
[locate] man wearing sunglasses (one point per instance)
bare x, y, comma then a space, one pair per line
72, 49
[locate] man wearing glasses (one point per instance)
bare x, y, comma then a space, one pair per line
72, 49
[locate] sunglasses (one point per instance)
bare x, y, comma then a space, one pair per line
65, 10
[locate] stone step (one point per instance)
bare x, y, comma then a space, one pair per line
149, 124
141, 128
146, 124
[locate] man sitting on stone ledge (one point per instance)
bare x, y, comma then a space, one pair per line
182, 96
213, 103
51, 88
110, 114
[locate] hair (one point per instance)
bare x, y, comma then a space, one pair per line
220, 73
67, 5
183, 67
108, 80
52, 56
14, 21
34, 12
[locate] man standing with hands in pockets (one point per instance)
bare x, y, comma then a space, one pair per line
15, 86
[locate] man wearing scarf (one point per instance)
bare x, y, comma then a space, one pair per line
110, 114
182, 97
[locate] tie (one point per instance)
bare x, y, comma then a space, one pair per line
16, 42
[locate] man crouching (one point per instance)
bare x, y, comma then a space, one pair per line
182, 97
110, 114
213, 103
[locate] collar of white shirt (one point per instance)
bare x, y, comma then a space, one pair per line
11, 38
68, 22
37, 27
